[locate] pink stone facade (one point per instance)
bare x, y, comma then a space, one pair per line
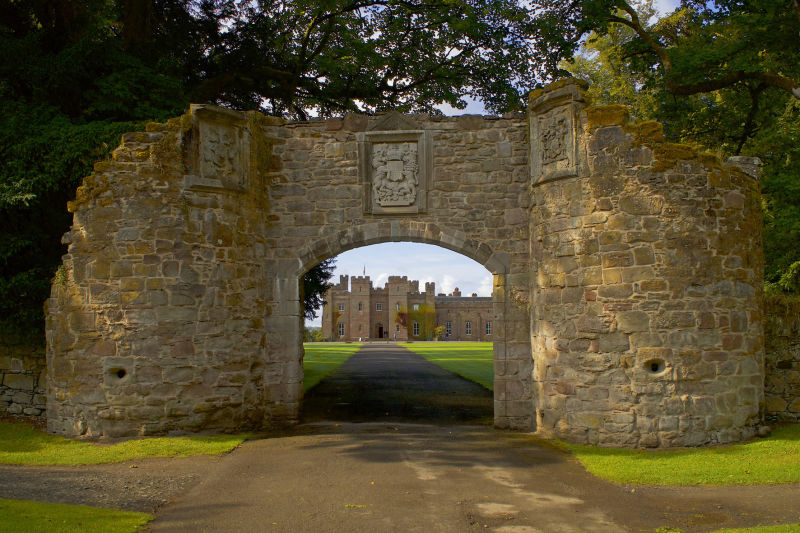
355, 311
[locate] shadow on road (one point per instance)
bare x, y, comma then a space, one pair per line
387, 383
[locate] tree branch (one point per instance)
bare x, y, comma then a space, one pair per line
768, 78
755, 94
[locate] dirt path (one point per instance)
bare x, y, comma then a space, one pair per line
436, 476
384, 382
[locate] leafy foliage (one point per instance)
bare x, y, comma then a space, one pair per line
293, 57
315, 283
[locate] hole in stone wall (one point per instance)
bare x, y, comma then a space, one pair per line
119, 373
655, 366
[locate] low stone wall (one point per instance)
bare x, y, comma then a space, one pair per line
782, 365
23, 377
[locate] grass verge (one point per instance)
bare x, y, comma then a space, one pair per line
322, 358
19, 516
789, 528
775, 459
21, 444
471, 360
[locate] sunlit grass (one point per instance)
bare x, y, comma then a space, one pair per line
789, 528
775, 459
19, 516
21, 444
322, 358
471, 360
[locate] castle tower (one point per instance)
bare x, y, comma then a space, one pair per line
360, 290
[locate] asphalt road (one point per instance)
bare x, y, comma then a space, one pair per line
394, 454
387, 383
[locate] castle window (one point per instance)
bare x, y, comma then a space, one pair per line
416, 307
379, 307
488, 328
468, 328
448, 328
359, 328
341, 329
341, 307
397, 306
416, 329
359, 307
397, 327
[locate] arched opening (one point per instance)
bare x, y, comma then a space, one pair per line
504, 324
382, 328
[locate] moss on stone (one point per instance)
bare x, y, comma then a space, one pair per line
607, 115
646, 133
667, 154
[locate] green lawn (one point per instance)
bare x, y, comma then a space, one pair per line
322, 358
18, 516
471, 360
790, 528
775, 459
21, 444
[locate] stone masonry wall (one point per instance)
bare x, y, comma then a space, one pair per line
627, 271
158, 323
179, 308
22, 377
647, 316
475, 202
782, 339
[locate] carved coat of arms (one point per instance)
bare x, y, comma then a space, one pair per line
395, 170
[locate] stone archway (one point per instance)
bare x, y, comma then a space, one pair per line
627, 269
513, 400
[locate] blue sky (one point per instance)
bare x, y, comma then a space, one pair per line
425, 262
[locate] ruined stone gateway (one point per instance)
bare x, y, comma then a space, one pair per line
628, 270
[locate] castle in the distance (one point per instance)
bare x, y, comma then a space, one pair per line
354, 311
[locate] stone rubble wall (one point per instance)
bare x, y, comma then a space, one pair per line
647, 318
782, 340
23, 377
476, 204
157, 324
627, 270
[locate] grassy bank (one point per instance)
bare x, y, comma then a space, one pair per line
322, 358
470, 360
775, 459
19, 516
21, 444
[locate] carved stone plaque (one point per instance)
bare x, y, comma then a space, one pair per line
394, 167
219, 150
555, 140
395, 174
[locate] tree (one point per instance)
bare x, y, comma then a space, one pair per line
315, 284
297, 57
